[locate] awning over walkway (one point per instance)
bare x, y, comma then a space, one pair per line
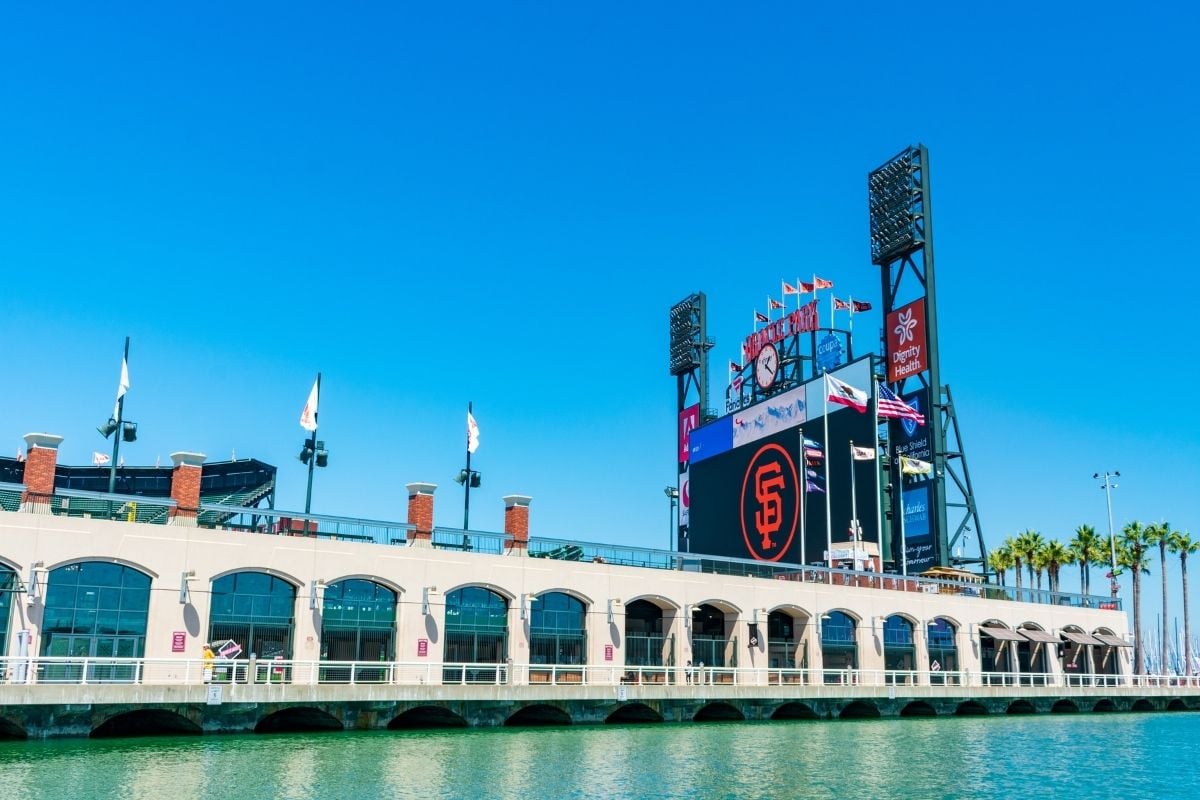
1082, 638
1034, 635
1112, 641
1002, 634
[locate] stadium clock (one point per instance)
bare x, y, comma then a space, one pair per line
766, 366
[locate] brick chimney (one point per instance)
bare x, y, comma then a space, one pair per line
185, 488
420, 513
41, 457
516, 523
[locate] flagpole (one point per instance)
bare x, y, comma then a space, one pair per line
900, 490
828, 488
853, 498
804, 499
312, 449
112, 467
467, 482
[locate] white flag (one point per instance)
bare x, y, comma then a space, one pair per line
122, 387
472, 433
99, 459
862, 453
845, 394
308, 417
914, 466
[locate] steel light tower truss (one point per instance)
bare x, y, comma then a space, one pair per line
901, 230
688, 362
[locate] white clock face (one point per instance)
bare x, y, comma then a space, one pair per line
766, 366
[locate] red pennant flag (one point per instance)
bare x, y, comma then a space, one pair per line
773, 304
858, 306
805, 288
821, 283
789, 289
840, 305
760, 317
734, 366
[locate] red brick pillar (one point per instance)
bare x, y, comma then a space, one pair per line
41, 457
185, 488
420, 513
516, 523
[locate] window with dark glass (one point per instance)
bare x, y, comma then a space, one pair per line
256, 610
557, 633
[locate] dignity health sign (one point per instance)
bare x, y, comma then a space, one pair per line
907, 344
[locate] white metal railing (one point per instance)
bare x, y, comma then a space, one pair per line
47, 670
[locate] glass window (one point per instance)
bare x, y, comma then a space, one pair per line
8, 587
897, 631
84, 601
256, 610
476, 633
556, 629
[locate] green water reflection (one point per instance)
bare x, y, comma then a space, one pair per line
1129, 755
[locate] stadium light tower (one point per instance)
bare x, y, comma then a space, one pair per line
1107, 485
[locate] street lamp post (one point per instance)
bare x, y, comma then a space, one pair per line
117, 426
1107, 485
672, 494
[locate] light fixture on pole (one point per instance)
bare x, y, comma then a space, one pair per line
117, 422
313, 453
1107, 485
672, 494
469, 478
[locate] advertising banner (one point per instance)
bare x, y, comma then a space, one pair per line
919, 552
907, 350
772, 415
711, 440
913, 440
689, 420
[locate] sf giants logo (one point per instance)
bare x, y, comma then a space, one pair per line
770, 503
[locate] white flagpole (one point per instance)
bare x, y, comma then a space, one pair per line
804, 510
853, 498
875, 467
900, 489
828, 488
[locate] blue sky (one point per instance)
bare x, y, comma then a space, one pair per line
499, 203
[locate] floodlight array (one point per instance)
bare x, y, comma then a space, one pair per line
895, 204
685, 335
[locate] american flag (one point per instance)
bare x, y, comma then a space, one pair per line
892, 406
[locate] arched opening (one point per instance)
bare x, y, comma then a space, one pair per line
1142, 704
787, 650
1076, 648
860, 709
1105, 706
94, 610
645, 643
557, 637
997, 645
718, 712
298, 720
538, 715
1021, 707
970, 708
11, 730
256, 611
8, 588
918, 708
839, 647
1107, 661
358, 625
1032, 659
146, 722
899, 651
795, 711
633, 713
942, 640
427, 717
710, 639
1177, 704
476, 635
1064, 707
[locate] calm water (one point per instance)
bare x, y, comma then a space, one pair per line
1131, 756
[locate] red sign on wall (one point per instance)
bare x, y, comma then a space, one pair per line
422, 648
608, 652
907, 343
178, 642
689, 420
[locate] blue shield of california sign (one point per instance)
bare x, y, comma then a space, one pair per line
829, 352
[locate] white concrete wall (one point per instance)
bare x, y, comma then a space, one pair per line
165, 552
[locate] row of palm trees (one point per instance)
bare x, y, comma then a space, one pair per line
1133, 547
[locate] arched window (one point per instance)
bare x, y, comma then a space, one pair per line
1031, 656
708, 637
95, 609
943, 652
996, 647
358, 623
1107, 659
257, 611
839, 647
1078, 649
476, 633
785, 648
8, 587
644, 640
899, 652
557, 630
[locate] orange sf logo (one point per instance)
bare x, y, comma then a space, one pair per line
768, 518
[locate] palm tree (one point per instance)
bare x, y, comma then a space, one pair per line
1039, 564
1026, 545
1010, 544
1132, 554
1055, 554
1087, 548
1160, 535
1001, 560
1183, 544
